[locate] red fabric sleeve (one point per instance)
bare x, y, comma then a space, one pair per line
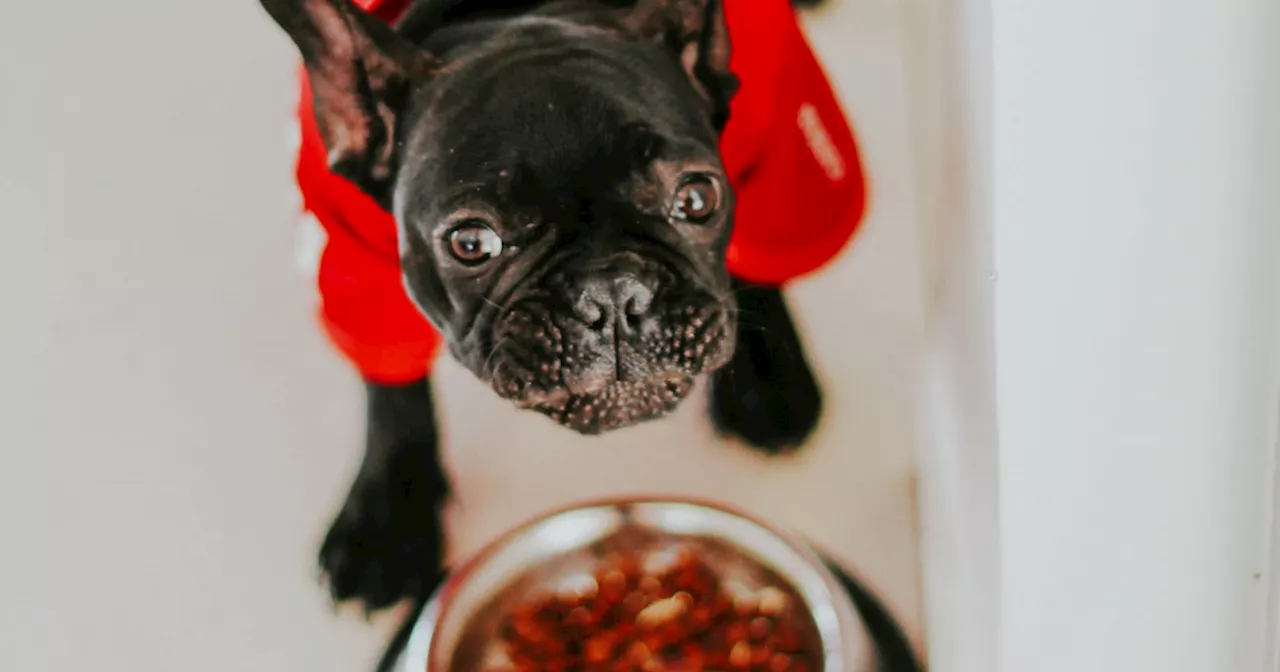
788, 149
363, 304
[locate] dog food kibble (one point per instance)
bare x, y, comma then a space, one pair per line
662, 611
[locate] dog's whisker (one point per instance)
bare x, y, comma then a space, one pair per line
497, 347
497, 369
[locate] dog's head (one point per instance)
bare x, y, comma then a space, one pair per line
555, 175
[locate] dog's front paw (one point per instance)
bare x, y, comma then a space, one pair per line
774, 413
386, 545
766, 395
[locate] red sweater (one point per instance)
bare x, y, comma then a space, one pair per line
788, 150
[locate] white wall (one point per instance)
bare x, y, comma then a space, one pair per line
950, 49
1138, 349
1100, 206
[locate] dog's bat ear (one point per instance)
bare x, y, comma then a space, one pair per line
696, 31
360, 72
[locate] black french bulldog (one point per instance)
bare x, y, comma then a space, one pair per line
554, 170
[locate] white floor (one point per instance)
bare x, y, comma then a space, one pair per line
176, 434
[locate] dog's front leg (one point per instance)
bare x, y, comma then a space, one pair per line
766, 395
387, 544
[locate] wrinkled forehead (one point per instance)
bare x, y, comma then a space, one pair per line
558, 124
545, 62
569, 119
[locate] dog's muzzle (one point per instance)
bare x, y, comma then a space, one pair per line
602, 351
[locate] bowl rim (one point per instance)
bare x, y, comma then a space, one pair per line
565, 528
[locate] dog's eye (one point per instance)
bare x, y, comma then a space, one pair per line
696, 200
473, 242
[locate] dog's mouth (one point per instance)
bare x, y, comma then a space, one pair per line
594, 381
618, 404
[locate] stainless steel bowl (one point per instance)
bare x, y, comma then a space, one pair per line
560, 537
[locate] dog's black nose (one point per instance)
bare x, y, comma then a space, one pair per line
618, 300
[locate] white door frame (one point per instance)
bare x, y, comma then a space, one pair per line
1099, 471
